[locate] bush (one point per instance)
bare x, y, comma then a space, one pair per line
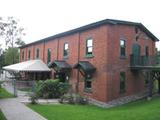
33, 98
51, 88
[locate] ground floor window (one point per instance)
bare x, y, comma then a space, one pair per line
88, 84
62, 76
122, 82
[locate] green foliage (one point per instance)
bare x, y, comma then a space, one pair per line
2, 117
5, 94
11, 56
139, 110
51, 88
33, 98
11, 32
2, 61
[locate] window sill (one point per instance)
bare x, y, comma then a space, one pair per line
123, 57
89, 56
88, 90
65, 57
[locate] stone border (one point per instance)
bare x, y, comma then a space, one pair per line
119, 101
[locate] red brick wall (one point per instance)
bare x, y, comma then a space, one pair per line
106, 51
99, 36
53, 46
134, 81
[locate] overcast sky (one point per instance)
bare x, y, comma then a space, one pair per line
43, 18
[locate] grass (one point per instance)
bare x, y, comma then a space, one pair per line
2, 117
139, 110
5, 94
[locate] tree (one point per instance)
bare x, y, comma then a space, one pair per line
2, 61
11, 32
1, 58
11, 56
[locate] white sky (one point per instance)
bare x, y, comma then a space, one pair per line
43, 18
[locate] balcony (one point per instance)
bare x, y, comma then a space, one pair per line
143, 61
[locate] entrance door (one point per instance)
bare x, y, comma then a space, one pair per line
61, 76
136, 51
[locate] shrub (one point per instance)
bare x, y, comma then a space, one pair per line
51, 88
33, 98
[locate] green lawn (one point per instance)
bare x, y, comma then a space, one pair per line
4, 94
139, 110
2, 116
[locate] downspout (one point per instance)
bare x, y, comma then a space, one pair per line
44, 51
34, 52
107, 63
77, 85
57, 48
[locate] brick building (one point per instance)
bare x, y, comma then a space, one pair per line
97, 59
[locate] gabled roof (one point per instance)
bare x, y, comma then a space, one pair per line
94, 25
28, 66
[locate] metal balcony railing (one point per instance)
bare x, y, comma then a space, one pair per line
143, 60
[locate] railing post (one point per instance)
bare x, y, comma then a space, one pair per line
14, 87
150, 85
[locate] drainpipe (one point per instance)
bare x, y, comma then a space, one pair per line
44, 51
57, 48
33, 52
77, 85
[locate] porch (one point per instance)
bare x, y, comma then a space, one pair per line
149, 66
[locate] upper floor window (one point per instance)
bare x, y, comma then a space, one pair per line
122, 47
37, 53
66, 50
89, 47
29, 54
122, 82
22, 55
49, 55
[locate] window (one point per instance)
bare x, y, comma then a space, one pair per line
122, 48
49, 56
146, 51
88, 83
37, 53
29, 54
122, 82
22, 55
65, 51
89, 47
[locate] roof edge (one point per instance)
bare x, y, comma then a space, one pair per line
93, 25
